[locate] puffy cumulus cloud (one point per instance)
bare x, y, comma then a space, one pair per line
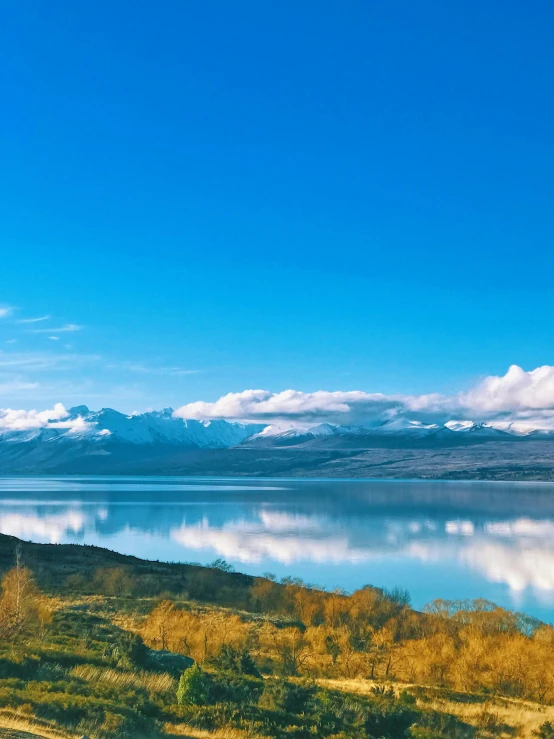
523, 399
263, 405
57, 417
517, 390
19, 420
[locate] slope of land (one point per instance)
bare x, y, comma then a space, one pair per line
101, 645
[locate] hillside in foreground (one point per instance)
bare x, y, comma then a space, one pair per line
101, 645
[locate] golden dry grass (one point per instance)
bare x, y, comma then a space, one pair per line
15, 724
153, 682
180, 730
519, 718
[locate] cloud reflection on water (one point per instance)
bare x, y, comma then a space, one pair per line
516, 551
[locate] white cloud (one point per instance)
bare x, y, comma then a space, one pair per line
517, 390
20, 420
262, 405
54, 418
521, 399
6, 310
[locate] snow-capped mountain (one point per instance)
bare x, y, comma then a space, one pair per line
81, 441
164, 427
155, 427
398, 428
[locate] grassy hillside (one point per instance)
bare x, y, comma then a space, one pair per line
97, 644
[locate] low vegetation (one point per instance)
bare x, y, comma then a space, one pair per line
99, 645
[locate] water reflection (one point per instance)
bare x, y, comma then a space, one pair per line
436, 539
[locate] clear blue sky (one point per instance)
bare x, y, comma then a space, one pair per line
273, 194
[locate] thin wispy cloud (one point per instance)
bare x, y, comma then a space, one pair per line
147, 370
10, 387
43, 361
38, 319
6, 310
67, 328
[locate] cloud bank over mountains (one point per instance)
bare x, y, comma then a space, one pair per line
517, 400
519, 396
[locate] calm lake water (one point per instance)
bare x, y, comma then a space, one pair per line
438, 540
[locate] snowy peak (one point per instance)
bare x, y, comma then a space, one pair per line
398, 430
108, 426
78, 410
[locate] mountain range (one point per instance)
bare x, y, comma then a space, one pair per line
158, 442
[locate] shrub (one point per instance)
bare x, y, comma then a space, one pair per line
194, 687
407, 698
234, 660
132, 649
382, 691
228, 687
221, 564
546, 731
280, 695
388, 718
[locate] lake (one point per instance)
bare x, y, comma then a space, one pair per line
436, 539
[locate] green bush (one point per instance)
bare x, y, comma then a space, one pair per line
407, 698
281, 695
546, 731
229, 687
435, 725
132, 649
234, 660
194, 687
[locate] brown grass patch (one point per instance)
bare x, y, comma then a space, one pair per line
153, 682
180, 730
24, 725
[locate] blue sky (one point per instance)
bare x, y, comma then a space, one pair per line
220, 196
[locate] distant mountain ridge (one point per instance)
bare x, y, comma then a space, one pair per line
165, 427
153, 427
159, 442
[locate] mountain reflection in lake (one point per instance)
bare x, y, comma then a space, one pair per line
447, 540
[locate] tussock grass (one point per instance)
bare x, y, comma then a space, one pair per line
511, 717
152, 682
180, 730
17, 721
